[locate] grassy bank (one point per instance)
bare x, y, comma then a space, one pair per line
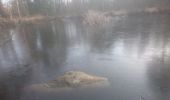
12, 22
91, 17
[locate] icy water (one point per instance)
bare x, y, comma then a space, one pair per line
133, 52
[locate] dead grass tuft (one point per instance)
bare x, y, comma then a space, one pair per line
96, 18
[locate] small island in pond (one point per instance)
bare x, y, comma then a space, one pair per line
72, 80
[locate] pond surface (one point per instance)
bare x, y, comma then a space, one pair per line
132, 52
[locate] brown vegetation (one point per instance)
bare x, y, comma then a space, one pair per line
157, 9
93, 17
4, 22
96, 18
7, 22
30, 20
71, 80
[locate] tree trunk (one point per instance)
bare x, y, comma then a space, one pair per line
3, 13
18, 8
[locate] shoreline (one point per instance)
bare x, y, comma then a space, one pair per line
12, 22
38, 19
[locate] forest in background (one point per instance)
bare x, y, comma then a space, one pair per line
29, 11
21, 8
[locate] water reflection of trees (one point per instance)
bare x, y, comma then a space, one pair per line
14, 71
48, 44
159, 67
146, 37
139, 36
102, 40
159, 77
12, 82
133, 31
32, 52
